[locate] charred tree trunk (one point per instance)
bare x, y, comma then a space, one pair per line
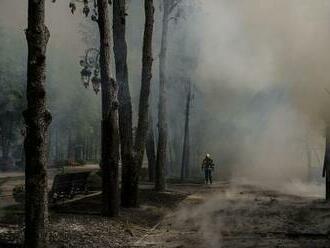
84, 148
150, 149
95, 149
186, 144
131, 182
37, 119
110, 126
142, 127
125, 104
88, 147
162, 115
70, 148
326, 166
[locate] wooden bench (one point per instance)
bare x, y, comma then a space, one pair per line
66, 186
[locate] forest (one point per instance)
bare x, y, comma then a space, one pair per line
164, 123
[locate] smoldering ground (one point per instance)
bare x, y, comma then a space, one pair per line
243, 215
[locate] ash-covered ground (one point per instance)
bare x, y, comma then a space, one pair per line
236, 215
226, 214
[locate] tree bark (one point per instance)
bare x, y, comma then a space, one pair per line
37, 119
186, 145
125, 104
70, 149
162, 115
150, 149
142, 127
110, 126
132, 157
326, 166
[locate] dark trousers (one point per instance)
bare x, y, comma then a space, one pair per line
208, 175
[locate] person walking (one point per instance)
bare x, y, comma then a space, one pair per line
208, 168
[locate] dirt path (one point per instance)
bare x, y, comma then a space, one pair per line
221, 215
243, 216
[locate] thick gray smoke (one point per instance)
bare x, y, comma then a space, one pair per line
263, 70
261, 77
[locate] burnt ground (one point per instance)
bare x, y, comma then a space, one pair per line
79, 223
221, 215
231, 215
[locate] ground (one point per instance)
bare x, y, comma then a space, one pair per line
234, 215
225, 214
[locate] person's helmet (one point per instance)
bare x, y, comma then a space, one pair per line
208, 155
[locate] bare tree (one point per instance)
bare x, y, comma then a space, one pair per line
125, 103
150, 149
186, 144
142, 127
110, 139
169, 7
326, 166
37, 119
110, 126
132, 158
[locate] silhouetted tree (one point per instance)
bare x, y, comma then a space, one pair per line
150, 149
186, 144
147, 60
125, 103
169, 7
131, 173
326, 166
110, 126
37, 119
110, 139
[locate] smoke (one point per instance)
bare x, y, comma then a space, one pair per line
263, 72
260, 78
222, 219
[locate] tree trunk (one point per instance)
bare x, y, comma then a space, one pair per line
70, 150
125, 104
150, 149
88, 148
84, 148
132, 162
131, 171
162, 115
37, 119
326, 166
110, 127
96, 146
186, 145
142, 127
